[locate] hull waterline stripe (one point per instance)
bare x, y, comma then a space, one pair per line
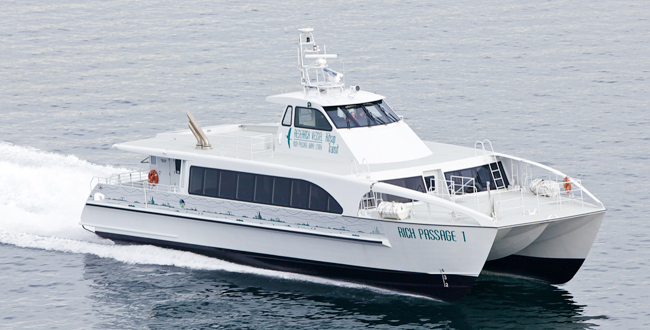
251, 225
125, 230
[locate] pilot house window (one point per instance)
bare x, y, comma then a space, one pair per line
312, 119
286, 120
361, 115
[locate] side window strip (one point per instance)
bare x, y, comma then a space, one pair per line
261, 189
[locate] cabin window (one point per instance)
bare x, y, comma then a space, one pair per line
312, 119
245, 187
317, 198
300, 194
153, 160
228, 184
281, 192
263, 189
211, 182
196, 181
177, 165
414, 183
481, 175
286, 120
341, 118
361, 115
430, 182
333, 206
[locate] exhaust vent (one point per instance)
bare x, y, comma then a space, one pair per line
202, 141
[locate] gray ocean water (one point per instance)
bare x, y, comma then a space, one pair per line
564, 83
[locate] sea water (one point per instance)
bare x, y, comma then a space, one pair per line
564, 83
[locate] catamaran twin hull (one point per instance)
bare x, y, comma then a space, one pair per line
435, 260
440, 261
342, 187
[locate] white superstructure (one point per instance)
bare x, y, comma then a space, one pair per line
342, 187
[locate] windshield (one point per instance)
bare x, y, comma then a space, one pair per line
361, 115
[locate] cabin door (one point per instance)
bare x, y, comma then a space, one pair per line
162, 167
169, 170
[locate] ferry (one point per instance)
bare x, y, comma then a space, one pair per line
341, 187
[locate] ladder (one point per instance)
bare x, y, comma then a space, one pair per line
497, 177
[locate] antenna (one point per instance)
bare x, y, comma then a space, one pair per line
313, 66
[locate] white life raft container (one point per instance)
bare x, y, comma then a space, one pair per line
543, 187
393, 210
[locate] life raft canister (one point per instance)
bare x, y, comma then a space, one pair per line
567, 184
153, 176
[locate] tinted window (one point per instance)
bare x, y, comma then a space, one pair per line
341, 118
177, 163
317, 198
211, 182
228, 184
481, 176
430, 182
196, 181
333, 206
245, 187
413, 183
281, 192
387, 110
263, 189
375, 112
300, 194
361, 115
312, 119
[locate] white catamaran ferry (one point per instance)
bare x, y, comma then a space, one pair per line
343, 188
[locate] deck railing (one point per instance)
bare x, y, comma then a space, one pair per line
135, 180
504, 201
240, 146
496, 203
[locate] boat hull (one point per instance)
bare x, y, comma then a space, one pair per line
557, 254
394, 255
453, 288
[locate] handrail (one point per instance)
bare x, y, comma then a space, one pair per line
554, 171
249, 145
133, 179
457, 188
386, 188
482, 143
353, 166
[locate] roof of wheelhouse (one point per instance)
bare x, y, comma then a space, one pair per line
325, 99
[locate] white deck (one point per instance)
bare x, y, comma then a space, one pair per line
256, 143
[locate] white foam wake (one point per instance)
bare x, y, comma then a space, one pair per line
43, 193
42, 196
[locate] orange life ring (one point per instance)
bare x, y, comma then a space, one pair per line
567, 184
153, 176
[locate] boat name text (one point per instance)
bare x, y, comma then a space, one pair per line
429, 234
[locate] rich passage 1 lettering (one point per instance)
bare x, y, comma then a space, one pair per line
429, 234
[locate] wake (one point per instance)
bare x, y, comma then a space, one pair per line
42, 196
